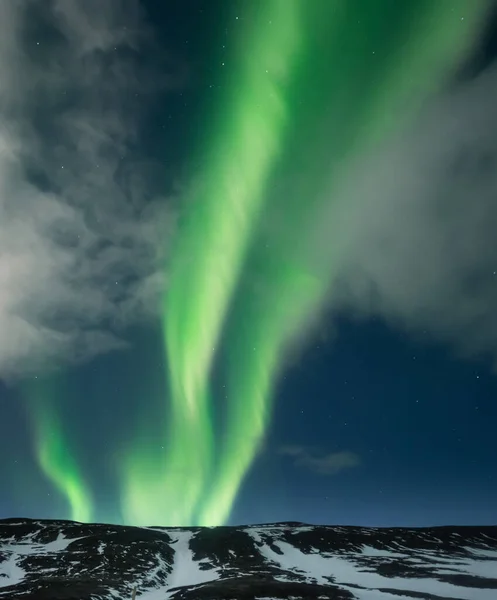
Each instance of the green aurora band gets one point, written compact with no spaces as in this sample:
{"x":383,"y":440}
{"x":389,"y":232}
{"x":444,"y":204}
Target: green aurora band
{"x":382,"y":59}
{"x":54,"y":453}
{"x":313,"y":85}
{"x":207,"y":260}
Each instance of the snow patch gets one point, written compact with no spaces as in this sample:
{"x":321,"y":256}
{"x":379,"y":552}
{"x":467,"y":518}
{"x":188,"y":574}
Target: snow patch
{"x":186,"y":570}
{"x":10,"y":571}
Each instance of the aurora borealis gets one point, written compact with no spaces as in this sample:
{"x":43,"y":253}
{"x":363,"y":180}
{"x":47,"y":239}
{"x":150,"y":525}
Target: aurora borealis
{"x":53,"y":450}
{"x":212,"y":243}
{"x":293,"y":284}
{"x":300,"y":92}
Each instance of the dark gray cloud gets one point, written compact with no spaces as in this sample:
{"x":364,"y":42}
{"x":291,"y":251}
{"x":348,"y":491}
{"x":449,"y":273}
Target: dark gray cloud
{"x":83,"y":231}
{"x":321,"y":463}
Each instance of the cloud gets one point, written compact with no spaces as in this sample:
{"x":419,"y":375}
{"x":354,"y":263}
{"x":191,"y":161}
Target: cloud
{"x":322,"y":464}
{"x":83,"y":228}
{"x":410,"y":233}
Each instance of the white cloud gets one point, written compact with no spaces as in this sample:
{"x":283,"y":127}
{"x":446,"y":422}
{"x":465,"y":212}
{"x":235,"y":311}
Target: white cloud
{"x":82,"y":232}
{"x":411,"y":234}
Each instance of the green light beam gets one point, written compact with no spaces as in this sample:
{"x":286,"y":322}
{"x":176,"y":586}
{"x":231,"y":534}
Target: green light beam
{"x":54,"y":454}
{"x":388,"y":57}
{"x":206,"y":262}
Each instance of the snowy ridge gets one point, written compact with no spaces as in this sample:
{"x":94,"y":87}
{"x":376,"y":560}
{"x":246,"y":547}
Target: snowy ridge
{"x":44,"y":560}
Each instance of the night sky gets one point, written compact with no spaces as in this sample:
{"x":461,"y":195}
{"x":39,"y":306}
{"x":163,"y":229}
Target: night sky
{"x":248,"y":262}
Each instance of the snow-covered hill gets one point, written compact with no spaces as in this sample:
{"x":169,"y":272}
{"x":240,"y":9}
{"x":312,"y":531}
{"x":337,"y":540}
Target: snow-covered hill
{"x":62,"y":560}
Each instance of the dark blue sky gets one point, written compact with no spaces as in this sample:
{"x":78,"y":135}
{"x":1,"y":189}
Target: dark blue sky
{"x":419,"y":421}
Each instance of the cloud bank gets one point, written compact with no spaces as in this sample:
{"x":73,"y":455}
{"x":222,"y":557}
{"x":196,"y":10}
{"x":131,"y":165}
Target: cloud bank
{"x":83,"y":232}
{"x":411,"y":236}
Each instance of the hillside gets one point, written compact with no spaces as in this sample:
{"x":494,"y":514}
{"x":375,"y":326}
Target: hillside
{"x":63,"y":560}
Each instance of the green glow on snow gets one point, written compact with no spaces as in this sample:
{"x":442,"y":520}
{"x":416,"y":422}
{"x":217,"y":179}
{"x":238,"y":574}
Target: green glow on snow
{"x":376,"y":79}
{"x":207,"y":259}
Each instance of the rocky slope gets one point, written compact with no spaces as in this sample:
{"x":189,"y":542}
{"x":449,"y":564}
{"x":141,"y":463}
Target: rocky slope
{"x":62,"y":560}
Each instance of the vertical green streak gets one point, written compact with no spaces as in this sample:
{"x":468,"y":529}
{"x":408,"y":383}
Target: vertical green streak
{"x":54,"y":453}
{"x":211,"y":245}
{"x":387,"y":57}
